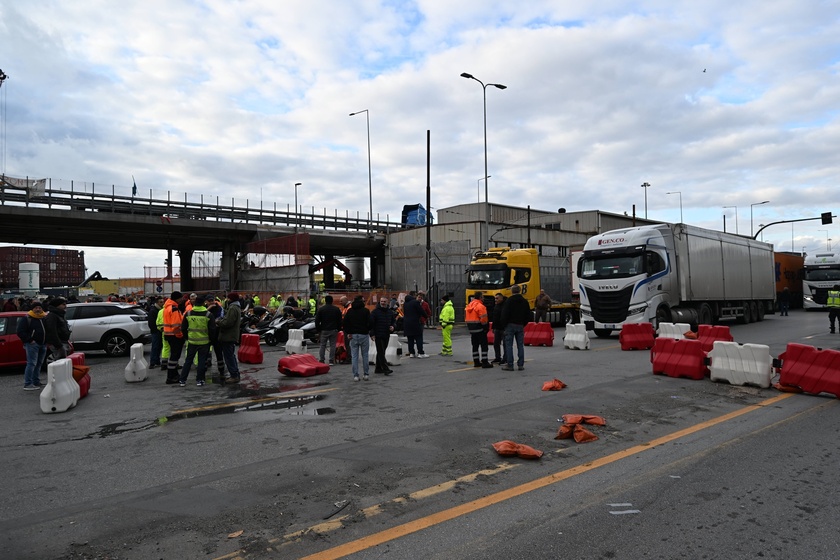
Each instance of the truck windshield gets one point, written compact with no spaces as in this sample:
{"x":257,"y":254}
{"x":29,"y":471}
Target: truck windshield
{"x":822,"y":274}
{"x":596,"y":267}
{"x":495,"y":277}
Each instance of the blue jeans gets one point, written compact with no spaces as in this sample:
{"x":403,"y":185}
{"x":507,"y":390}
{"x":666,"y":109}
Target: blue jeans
{"x":515,"y":332}
{"x":35,"y":354}
{"x":359,"y":352}
{"x":229,"y":354}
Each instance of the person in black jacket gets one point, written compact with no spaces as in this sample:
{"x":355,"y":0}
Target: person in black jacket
{"x":413,"y":316}
{"x":498,"y":329}
{"x":155,"y":304}
{"x":516,"y":313}
{"x":382,"y":325}
{"x":328,"y":323}
{"x":58,"y":331}
{"x":33,"y":333}
{"x":357,"y":327}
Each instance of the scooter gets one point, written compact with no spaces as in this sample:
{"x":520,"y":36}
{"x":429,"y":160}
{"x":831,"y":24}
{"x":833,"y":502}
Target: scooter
{"x":278,"y":330}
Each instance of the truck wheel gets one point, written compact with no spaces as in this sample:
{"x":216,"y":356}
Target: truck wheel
{"x":704,"y":314}
{"x":760,"y":308}
{"x":663,"y":315}
{"x":747,"y":316}
{"x":753,"y":312}
{"x":569,"y":317}
{"x":603,"y":333}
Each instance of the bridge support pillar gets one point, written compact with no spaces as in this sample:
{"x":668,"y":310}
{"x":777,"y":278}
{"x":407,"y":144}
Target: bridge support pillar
{"x":227,"y":274}
{"x":185,"y":258}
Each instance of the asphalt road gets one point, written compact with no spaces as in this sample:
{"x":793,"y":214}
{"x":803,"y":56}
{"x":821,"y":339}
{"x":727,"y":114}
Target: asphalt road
{"x":402,"y":466}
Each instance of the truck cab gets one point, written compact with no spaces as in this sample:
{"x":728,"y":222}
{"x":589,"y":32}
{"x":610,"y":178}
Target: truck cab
{"x":497,"y":269}
{"x":822,"y":272}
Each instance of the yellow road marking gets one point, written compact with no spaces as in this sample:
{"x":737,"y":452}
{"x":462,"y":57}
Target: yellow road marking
{"x":394,"y":533}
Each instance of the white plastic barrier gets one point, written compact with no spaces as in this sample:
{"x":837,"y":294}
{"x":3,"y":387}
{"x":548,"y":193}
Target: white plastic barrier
{"x":372,"y":352}
{"x":393,"y":351}
{"x":296,"y":344}
{"x":137,"y":368}
{"x":741,"y":364}
{"x":673,"y":330}
{"x":576,"y":337}
{"x":62,"y":392}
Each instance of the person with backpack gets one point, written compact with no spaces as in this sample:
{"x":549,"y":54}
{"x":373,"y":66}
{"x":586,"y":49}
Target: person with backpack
{"x":32,"y":331}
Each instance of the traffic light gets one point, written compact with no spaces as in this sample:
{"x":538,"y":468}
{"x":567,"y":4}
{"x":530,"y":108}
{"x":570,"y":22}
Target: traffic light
{"x":826,"y":218}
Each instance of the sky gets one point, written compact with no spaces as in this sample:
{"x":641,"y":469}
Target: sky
{"x":719,"y":103}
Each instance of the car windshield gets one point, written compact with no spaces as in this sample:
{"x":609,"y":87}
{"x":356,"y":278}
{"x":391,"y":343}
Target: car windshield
{"x":611,"y":266}
{"x":822,"y":274}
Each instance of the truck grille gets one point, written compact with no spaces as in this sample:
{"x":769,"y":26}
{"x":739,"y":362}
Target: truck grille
{"x":610,"y":307}
{"x":820,"y":295}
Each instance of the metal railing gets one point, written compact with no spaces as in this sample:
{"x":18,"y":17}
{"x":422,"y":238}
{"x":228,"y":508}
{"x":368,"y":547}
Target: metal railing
{"x":18,"y":192}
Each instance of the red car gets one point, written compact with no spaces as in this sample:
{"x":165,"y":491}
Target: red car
{"x":11,"y":348}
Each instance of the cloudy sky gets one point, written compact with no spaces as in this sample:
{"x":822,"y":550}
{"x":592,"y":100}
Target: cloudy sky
{"x":727,"y":103}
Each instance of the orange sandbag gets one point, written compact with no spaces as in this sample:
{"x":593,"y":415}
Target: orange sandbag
{"x":506,"y":448}
{"x":584,"y":419}
{"x":690,"y":335}
{"x":80,"y":371}
{"x":509,"y":448}
{"x":565,"y":431}
{"x":553,"y":385}
{"x":787,"y":388}
{"x":582,"y":435}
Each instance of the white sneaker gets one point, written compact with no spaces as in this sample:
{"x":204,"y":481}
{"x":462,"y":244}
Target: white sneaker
{"x":412,"y":355}
{"x":422,"y":356}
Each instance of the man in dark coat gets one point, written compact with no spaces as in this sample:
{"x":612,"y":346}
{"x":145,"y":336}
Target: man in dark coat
{"x":33,"y":333}
{"x":413,"y":315}
{"x":516,"y":313}
{"x":382,"y":325}
{"x":328,"y":323}
{"x":58,"y":332}
{"x":357,"y":336}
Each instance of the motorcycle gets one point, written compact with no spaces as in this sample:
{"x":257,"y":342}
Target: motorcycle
{"x":278,"y":330}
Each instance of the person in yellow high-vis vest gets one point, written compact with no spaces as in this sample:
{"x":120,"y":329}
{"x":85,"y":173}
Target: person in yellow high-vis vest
{"x":447,"y":321}
{"x":833,"y":305}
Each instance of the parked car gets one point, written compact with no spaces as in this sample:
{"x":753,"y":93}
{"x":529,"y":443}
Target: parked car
{"x":12,"y":353}
{"x":112,"y":327}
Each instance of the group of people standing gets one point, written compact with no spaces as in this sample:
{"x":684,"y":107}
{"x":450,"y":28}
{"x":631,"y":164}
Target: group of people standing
{"x":197,"y":323}
{"x":42,"y":331}
{"x":510,"y":315}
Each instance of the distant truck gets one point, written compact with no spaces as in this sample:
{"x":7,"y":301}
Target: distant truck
{"x":497,"y":269}
{"x":673,"y":273}
{"x":822,"y":272}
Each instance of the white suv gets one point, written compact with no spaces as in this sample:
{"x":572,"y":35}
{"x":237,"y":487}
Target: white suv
{"x":112,"y":327}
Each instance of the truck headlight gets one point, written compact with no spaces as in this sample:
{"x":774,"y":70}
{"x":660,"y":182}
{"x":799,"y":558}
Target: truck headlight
{"x":637,"y":310}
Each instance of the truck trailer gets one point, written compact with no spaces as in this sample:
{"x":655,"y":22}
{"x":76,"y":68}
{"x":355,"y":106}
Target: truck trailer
{"x":673,"y":273}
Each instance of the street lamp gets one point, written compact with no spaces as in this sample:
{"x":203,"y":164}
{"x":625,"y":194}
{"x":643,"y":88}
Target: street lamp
{"x":486,"y":176}
{"x":736,"y":218}
{"x":751,"y":214}
{"x":645,"y":186}
{"x":296,"y":228}
{"x":679,"y":193}
{"x":478,"y":187}
{"x":370,"y":178}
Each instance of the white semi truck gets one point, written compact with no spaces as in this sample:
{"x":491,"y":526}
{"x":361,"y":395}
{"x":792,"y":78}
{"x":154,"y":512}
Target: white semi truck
{"x":822,"y":272}
{"x":673,"y":273}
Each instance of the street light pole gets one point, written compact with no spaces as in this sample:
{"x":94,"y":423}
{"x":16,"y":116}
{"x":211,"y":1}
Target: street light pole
{"x":296,"y":229}
{"x":827,"y":240}
{"x":645,"y":186}
{"x":486,"y":176}
{"x":679,"y":193}
{"x":370,"y":177}
{"x":478,"y":188}
{"x":736,"y":217}
{"x":752,"y":233}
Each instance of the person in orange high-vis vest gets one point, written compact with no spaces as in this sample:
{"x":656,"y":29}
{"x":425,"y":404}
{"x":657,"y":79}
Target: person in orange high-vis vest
{"x":173,"y":315}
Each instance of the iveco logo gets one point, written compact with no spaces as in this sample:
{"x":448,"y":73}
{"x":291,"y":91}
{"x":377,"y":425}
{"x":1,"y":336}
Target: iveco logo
{"x":610,"y":241}
{"x":610,"y":287}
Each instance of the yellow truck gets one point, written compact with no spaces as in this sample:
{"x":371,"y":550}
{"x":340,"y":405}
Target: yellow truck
{"x":497,"y":269}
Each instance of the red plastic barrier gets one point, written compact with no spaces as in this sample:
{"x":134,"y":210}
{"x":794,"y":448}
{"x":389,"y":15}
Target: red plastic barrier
{"x":301,"y":365}
{"x":636,"y":336}
{"x":249,"y":349}
{"x":539,"y":334}
{"x":812,"y":370}
{"x":84,"y":385}
{"x":78,"y":358}
{"x":679,"y":358}
{"x":708,"y":334}
{"x":491,"y":336}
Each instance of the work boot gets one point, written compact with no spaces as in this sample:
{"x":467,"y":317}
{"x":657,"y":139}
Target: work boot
{"x":486,"y":365}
